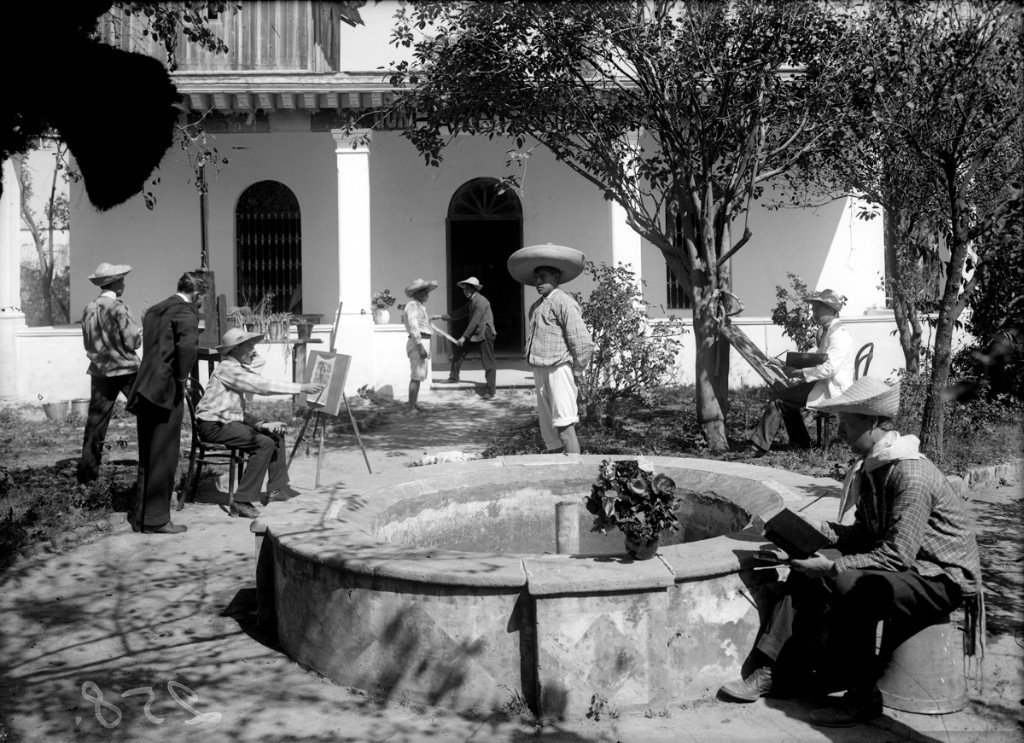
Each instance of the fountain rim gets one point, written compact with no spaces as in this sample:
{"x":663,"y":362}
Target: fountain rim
{"x":336,"y":536}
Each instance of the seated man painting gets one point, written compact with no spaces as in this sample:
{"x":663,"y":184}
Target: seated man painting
{"x":909,"y":559}
{"x":812,"y":385}
{"x":223,"y":419}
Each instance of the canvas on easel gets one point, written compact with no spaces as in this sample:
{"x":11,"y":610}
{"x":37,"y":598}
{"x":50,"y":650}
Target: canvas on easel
{"x":330,"y":370}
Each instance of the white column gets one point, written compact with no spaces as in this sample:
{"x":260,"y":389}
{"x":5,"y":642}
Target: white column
{"x":353,"y":158}
{"x":11,"y":316}
{"x":625,"y":240}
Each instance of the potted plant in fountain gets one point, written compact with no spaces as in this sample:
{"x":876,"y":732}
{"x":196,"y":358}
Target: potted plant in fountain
{"x":637,"y":501}
{"x":380,"y":302}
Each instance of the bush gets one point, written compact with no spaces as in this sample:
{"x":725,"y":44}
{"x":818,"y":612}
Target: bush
{"x":632,"y":355}
{"x":793,"y":314}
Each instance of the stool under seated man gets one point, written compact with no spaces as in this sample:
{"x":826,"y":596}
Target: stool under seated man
{"x":909,"y":559}
{"x":223,"y":419}
{"x":817,"y":383}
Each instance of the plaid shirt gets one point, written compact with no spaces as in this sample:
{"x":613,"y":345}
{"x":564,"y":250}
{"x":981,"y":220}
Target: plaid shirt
{"x":110,"y":335}
{"x":557,"y":333}
{"x":909,"y":518}
{"x":231,"y":386}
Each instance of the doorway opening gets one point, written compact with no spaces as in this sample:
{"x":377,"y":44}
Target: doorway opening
{"x":485,"y":226}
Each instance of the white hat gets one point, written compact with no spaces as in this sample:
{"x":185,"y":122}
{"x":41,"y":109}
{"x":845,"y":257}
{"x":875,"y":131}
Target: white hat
{"x":471,"y":281}
{"x":569,"y":261}
{"x":236,"y":337}
{"x":420,"y":284}
{"x":866,"y":396}
{"x":108,"y":273}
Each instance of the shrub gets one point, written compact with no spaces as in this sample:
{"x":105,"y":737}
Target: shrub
{"x":632,"y":354}
{"x":793,"y":314}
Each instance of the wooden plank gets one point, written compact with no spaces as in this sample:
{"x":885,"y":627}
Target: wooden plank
{"x":756,"y":358}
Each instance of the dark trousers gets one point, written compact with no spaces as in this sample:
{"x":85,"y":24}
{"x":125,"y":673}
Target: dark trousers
{"x":101,"y":408}
{"x":266,"y":454}
{"x":830,"y":625}
{"x":490,"y":363}
{"x":159,"y":446}
{"x":785,"y":408}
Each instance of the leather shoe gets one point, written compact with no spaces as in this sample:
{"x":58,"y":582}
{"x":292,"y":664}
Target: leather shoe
{"x":167,"y":528}
{"x":276,"y":496}
{"x":243,"y":509}
{"x":853,"y":709}
{"x":753,"y":687}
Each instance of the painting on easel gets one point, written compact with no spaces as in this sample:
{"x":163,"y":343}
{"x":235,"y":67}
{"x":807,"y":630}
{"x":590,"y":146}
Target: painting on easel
{"x":330,"y":370}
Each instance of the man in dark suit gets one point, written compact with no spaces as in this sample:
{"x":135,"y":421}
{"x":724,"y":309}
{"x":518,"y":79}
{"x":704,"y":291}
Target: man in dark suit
{"x":170,"y":345}
{"x":479,"y":333}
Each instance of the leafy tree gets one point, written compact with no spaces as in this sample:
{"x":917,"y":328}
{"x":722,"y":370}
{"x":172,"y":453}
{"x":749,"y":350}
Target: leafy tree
{"x":944,"y":80}
{"x":53,"y":303}
{"x":682,"y":112}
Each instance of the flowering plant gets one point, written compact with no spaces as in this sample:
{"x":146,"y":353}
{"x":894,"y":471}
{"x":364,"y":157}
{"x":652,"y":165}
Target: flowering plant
{"x":638,"y":502}
{"x":382,"y":299}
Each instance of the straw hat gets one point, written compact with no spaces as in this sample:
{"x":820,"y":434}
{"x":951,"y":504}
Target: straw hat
{"x":523,"y":262}
{"x":236,"y":337}
{"x":108,"y":273}
{"x":471,"y":281}
{"x":866,"y":396}
{"x":826,"y":297}
{"x":420,"y":284}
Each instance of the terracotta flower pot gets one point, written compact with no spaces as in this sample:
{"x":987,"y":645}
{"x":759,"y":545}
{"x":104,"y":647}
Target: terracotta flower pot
{"x":642,"y":549}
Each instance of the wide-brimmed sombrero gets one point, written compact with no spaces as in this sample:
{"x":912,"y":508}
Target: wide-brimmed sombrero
{"x":108,"y":273}
{"x":523,"y":262}
{"x":420,"y":284}
{"x":826,"y":297}
{"x":236,"y":337}
{"x":472,"y":281}
{"x":866,"y":396}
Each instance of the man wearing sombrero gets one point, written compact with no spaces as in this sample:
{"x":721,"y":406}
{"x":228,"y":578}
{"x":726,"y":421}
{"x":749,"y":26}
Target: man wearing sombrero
{"x":417,"y":348}
{"x":223,"y":419}
{"x":814,"y":384}
{"x":111,"y":335}
{"x":909,"y":559}
{"x":479,"y":333}
{"x":559,"y":345}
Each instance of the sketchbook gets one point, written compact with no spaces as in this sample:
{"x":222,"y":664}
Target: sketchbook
{"x":794,"y":535}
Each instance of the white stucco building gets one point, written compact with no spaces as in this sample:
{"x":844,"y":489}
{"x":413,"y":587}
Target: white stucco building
{"x":302,"y":210}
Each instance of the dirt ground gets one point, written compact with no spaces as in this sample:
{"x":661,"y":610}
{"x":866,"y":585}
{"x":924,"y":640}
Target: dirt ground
{"x":137,"y":638}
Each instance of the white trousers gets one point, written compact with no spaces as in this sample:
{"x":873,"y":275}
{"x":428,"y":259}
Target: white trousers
{"x":556,"y":401}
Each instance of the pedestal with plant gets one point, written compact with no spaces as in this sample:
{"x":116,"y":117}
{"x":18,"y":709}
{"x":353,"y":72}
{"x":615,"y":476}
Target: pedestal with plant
{"x":640,"y":503}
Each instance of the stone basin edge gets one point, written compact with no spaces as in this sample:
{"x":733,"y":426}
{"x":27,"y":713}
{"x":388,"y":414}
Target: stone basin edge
{"x":307,"y":529}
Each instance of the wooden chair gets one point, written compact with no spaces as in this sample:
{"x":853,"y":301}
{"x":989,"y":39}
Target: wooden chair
{"x":204,"y":452}
{"x":862,"y":359}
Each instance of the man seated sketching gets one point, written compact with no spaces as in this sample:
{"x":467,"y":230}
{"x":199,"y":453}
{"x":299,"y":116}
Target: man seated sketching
{"x":223,"y":419}
{"x":819,"y":383}
{"x":909,"y":558}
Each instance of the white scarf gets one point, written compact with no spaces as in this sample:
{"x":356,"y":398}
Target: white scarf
{"x":890,"y":448}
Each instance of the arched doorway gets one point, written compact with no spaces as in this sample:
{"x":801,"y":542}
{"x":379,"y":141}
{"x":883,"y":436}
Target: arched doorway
{"x":485,"y":226}
{"x":268,"y":247}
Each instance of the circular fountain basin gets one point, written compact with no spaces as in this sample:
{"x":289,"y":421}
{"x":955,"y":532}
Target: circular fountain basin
{"x":442,"y":585}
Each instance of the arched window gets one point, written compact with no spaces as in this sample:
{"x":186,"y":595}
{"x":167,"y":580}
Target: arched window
{"x":482,"y":198}
{"x":268,"y":247}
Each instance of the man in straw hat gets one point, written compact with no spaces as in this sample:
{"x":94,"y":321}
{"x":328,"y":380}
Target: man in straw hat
{"x":417,"y":348}
{"x":223,"y":419}
{"x":170,"y":346}
{"x":111,"y":335}
{"x":479,"y":333}
{"x":909,"y":558}
{"x":559,"y":345}
{"x":816,"y":383}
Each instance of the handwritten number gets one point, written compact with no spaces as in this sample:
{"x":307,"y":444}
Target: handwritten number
{"x":90,"y":688}
{"x":149,"y":702}
{"x":192,"y":699}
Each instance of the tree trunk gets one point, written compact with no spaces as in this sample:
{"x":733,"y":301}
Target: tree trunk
{"x":46,"y":288}
{"x":904,"y":312}
{"x":712,"y":371}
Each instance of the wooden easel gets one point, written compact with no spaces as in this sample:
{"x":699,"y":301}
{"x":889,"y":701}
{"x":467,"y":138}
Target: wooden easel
{"x":319,"y":425}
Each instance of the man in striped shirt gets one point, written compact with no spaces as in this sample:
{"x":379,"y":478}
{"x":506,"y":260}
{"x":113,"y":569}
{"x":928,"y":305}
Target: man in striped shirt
{"x":111,"y":335}
{"x":909,"y":558}
{"x":559,"y":345}
{"x":223,"y":419}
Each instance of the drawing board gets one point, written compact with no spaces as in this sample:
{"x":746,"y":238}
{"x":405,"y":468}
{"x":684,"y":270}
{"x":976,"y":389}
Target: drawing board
{"x":755,"y":357}
{"x":331,"y":370}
